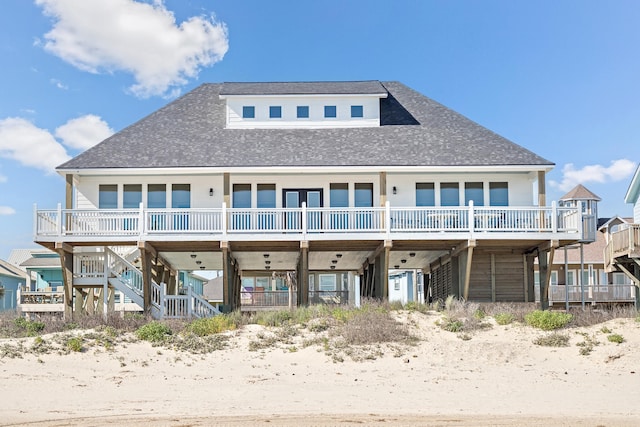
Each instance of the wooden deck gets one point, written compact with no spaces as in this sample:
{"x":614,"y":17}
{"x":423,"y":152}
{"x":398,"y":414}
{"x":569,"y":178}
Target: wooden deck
{"x":624,"y":243}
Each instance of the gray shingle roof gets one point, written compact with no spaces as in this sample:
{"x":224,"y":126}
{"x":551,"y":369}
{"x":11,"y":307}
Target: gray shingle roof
{"x":371,"y":87}
{"x":414,"y":131}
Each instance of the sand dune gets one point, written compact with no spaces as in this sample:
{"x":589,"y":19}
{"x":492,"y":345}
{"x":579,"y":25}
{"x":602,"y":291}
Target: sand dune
{"x":498,"y":377}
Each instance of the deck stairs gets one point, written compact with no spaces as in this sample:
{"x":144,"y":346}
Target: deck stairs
{"x":117,"y":266}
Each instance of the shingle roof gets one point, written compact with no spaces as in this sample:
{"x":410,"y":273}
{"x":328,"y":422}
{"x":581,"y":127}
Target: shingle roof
{"x":7,"y":269}
{"x":580,"y":192}
{"x":372,"y":87}
{"x":47,"y":262}
{"x":414,"y":131}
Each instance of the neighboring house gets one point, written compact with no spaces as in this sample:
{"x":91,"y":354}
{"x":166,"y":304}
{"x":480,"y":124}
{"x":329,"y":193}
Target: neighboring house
{"x":11,"y":280}
{"x":43,"y":271}
{"x":623,"y":247}
{"x":633,"y":195}
{"x":406,"y":286}
{"x":212,"y":291}
{"x":330,"y":182}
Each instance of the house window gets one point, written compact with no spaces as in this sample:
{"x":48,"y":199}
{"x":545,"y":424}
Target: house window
{"x":498,"y":194}
{"x":330,"y":111}
{"x":132,"y":196}
{"x":266,"y":195}
{"x":357,"y":111}
{"x":425,"y":194}
{"x":396,"y":284}
{"x":327,"y":282}
{"x":554,"y":278}
{"x":248,"y":112}
{"x":339,"y":195}
{"x":571,"y":278}
{"x":241,"y":196}
{"x":275,"y":112}
{"x":449,"y":194}
{"x":108,"y":196}
{"x":181,"y":196}
{"x":157,"y":196}
{"x":474,"y":191}
{"x":364,"y":195}
{"x":303,"y":111}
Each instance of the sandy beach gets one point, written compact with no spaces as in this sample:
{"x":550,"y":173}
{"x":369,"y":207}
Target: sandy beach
{"x":494,"y":376}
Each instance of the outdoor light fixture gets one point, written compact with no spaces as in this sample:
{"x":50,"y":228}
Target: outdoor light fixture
{"x":395,"y":190}
{"x":193,"y":255}
{"x":338,"y":255}
{"x":267,"y":262}
{"x":333,"y":267}
{"x":266,"y":255}
{"x":412,"y":254}
{"x":211,"y":191}
{"x":396,"y":267}
{"x":202,"y":267}
{"x":334,"y":261}
{"x":266,"y":267}
{"x":198,"y":262}
{"x":404,"y":261}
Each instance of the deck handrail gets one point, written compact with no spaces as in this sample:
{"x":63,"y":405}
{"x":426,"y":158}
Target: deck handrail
{"x":131,"y":223}
{"x":599,"y":293}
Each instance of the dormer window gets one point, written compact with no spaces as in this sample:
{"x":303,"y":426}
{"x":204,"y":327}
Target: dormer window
{"x":357,"y":111}
{"x":248,"y":112}
{"x":275,"y":112}
{"x":330,"y":111}
{"x":303,"y":111}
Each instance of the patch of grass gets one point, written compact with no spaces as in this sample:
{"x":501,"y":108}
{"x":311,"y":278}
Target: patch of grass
{"x":588,"y":344}
{"x":605,"y":330}
{"x":452,"y":325}
{"x":554,"y":339}
{"x":547,"y":320}
{"x":617,"y":338}
{"x":417,"y":306}
{"x":274,"y":318}
{"x":210,"y":325}
{"x":479,"y":314}
{"x":75,"y":344}
{"x":31,"y":328}
{"x":154,"y":332}
{"x":504,"y":318}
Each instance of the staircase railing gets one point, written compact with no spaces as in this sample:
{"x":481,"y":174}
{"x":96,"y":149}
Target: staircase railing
{"x":201,"y":307}
{"x":126,"y":272}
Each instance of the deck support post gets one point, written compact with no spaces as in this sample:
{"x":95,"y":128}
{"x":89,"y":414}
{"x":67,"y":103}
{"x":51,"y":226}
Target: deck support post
{"x":303,"y":278}
{"x":467,"y":273}
{"x":529,"y":278}
{"x":145,"y":259}
{"x":237,"y":284}
{"x":227,"y":285}
{"x":66,"y":261}
{"x":545,"y":260}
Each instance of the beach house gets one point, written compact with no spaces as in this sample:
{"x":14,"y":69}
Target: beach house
{"x":328,"y":184}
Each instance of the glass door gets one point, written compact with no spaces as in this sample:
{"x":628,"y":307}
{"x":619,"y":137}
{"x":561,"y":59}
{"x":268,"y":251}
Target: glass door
{"x":293,"y":198}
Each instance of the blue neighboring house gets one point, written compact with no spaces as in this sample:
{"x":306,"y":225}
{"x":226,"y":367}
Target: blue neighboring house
{"x":11,"y":278}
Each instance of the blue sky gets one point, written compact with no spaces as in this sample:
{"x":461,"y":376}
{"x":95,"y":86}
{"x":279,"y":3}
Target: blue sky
{"x":561,"y":78}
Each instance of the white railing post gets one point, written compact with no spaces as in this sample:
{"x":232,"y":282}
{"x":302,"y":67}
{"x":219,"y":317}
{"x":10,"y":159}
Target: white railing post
{"x":554,"y":217}
{"x":189,"y":302}
{"x":304,"y":220}
{"x":59,"y":219}
{"x":141,"y":221}
{"x":163,"y":297}
{"x":224,"y":218}
{"x":471,"y":219}
{"x":387,"y":218}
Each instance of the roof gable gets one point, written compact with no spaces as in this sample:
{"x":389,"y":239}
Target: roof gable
{"x":414,"y":131}
{"x":634,"y":188}
{"x":580,"y":192}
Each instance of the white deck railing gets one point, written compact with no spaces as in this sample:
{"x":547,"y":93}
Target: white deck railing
{"x":592,"y":293}
{"x":302,"y":221}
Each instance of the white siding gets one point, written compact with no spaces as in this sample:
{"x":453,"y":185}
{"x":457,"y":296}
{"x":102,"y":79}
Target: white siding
{"x":87,"y":188}
{"x":520,"y":188}
{"x":636,"y":212}
{"x":371,"y":110}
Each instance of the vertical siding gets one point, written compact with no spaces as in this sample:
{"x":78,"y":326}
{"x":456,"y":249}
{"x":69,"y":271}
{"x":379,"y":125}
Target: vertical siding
{"x":480,"y":281}
{"x":441,"y":281}
{"x":510,"y":277}
{"x":636,"y":212}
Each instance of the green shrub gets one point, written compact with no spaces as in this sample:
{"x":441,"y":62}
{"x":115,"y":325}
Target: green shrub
{"x":552,"y":340}
{"x":547,"y":320}
{"x":504,"y":318}
{"x":617,"y":338}
{"x":479,"y":314}
{"x":32,"y":328}
{"x":153,"y":332}
{"x":417,"y":306}
{"x":210,"y":325}
{"x":274,"y":318}
{"x":75,"y":344}
{"x":452,"y":325}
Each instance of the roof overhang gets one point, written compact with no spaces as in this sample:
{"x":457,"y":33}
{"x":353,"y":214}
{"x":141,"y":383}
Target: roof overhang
{"x":634,"y":188}
{"x":253,"y":170}
{"x":313,"y":95}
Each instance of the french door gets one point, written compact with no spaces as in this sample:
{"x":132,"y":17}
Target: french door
{"x":293,"y":198}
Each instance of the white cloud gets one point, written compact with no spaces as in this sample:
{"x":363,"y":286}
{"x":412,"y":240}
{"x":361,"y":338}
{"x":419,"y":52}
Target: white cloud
{"x":3,"y":179}
{"x":26,"y":143}
{"x":83,"y":132}
{"x":59,"y":84}
{"x":6,"y":210}
{"x":139,"y":38}
{"x":618,"y":170}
